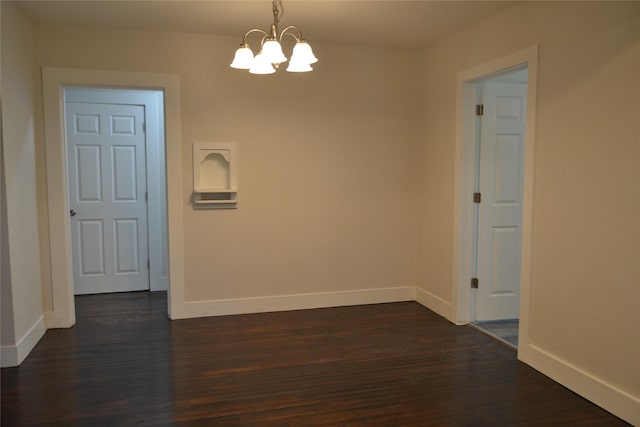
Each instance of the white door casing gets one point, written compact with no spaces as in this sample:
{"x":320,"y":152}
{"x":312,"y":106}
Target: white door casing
{"x":55,"y":84}
{"x":466,"y":183}
{"x":502,"y":150}
{"x":107,"y":197}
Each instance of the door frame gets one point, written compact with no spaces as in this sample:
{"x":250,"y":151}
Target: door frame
{"x":465,"y":175}
{"x":61,"y":313}
{"x":153,"y":103}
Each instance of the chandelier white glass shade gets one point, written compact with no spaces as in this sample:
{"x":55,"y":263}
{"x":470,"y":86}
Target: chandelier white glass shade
{"x":270,"y":55}
{"x":261,"y":65}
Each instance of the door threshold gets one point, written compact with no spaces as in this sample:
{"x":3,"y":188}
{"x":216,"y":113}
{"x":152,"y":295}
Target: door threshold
{"x":503,"y":331}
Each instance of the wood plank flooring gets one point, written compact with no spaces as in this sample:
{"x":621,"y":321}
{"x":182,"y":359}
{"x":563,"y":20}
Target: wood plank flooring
{"x":126,"y":364}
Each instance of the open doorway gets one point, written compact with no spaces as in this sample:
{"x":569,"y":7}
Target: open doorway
{"x":494,"y":195}
{"x":60,"y":302}
{"x":115,"y":148}
{"x":498,"y":193}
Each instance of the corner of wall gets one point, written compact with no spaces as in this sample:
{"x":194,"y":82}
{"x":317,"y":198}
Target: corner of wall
{"x":21,"y":276}
{"x":14,"y":355}
{"x":7,"y":332}
{"x":435,"y":304}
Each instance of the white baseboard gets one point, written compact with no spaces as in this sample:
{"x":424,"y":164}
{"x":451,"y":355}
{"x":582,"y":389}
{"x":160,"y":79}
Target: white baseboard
{"x":434,"y":303}
{"x":598,"y":391}
{"x":13,"y":355}
{"x":296,"y":302}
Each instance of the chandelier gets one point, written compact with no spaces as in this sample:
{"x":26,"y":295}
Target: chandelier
{"x":270,"y":55}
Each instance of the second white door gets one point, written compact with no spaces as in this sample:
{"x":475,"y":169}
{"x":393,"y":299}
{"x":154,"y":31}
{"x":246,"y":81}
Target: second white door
{"x":107,"y":195}
{"x":500,"y":212}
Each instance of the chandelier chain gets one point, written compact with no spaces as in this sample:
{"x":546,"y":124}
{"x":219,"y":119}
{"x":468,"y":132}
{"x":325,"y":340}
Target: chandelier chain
{"x":278,"y":12}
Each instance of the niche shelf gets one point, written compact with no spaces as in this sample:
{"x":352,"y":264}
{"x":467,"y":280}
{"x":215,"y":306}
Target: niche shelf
{"x":214,"y":176}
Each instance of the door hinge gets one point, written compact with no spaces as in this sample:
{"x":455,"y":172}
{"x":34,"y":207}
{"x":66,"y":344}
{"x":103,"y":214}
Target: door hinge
{"x":148,"y":265}
{"x":474,"y":283}
{"x":479,"y":109}
{"x":477,"y":197}
{"x":144,"y":127}
{"x":146,"y":196}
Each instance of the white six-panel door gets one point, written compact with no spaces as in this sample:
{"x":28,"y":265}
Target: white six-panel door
{"x":107,"y":196}
{"x":500,"y":211}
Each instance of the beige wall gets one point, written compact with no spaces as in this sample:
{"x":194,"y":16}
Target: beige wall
{"x":586,"y":237}
{"x":24,"y":282}
{"x":7,"y":336}
{"x":327,"y":180}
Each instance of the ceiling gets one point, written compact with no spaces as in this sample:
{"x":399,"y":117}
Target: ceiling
{"x":387,"y":23}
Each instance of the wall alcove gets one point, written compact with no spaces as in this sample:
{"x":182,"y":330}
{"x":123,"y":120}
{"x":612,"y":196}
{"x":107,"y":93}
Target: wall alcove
{"x":214,"y":176}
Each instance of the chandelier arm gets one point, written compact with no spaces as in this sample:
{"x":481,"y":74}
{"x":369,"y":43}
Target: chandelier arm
{"x":291,"y":27}
{"x":254,"y":30}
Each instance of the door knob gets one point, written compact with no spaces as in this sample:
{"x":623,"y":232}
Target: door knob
{"x":72,"y":212}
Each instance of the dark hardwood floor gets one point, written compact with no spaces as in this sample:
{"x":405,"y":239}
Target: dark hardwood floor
{"x":126,"y":364}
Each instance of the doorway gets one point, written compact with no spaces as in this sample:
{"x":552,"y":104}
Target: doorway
{"x":492,"y":253}
{"x":498,"y":204}
{"x":500,"y":148}
{"x":60,"y":301}
{"x":117,"y":193}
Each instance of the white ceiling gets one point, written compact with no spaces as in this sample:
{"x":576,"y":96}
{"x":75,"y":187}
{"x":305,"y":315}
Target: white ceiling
{"x":376,"y":23}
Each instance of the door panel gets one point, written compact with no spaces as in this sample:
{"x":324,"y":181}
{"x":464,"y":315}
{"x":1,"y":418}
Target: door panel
{"x":504,"y":260}
{"x":88,"y":124}
{"x":88,"y":165}
{"x":500,"y":211}
{"x":107,"y":185}
{"x":127,"y":259}
{"x":507,"y":172}
{"x":91,"y":247}
{"x":124,"y":174}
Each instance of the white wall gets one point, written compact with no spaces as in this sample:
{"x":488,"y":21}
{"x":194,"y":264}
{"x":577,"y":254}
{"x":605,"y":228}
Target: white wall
{"x":18,"y":66}
{"x":585,"y":269}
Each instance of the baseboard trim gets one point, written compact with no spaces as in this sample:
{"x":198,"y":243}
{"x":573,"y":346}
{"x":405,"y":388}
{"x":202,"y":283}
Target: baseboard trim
{"x":434,"y":303}
{"x":592,"y":388}
{"x":13,"y":355}
{"x":296,"y":302}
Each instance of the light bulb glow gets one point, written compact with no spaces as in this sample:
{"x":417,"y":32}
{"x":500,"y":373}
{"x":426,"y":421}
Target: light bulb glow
{"x":298,"y":67}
